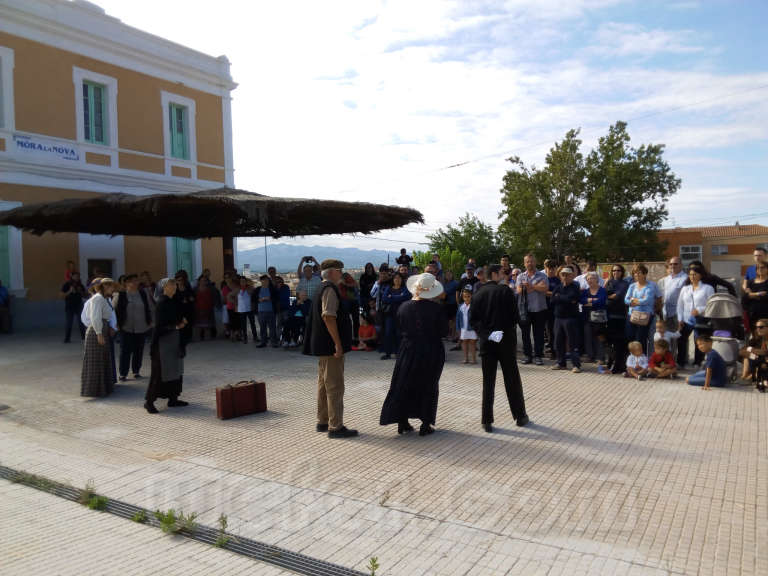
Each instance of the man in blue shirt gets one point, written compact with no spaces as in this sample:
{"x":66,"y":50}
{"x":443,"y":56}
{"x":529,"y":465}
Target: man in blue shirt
{"x":532,"y":286}
{"x":266,"y":312}
{"x":715,"y":372}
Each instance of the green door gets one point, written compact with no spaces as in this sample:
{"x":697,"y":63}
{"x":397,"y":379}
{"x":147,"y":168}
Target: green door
{"x":5,"y":257}
{"x":185,"y":256}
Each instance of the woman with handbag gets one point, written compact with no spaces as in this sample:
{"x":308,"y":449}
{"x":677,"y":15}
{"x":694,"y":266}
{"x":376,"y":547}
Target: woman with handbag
{"x":641,"y":297}
{"x":593,"y":306}
{"x":690,"y":304}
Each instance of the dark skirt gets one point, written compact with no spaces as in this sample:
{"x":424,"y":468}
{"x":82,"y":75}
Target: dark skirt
{"x":96,"y":379}
{"x":171,"y":386}
{"x":414,"y":389}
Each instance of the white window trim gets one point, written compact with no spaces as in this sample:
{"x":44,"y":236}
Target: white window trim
{"x":101,"y":247}
{"x":80,"y":75}
{"x":166,"y":99}
{"x":16,"y":254}
{"x":7,"y":114}
{"x":170,"y":260}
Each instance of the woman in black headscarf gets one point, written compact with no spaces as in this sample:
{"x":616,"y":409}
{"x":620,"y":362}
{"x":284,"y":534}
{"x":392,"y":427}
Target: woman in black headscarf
{"x":166,"y":378}
{"x":413,"y":390}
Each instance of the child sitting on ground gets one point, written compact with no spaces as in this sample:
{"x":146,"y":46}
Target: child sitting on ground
{"x":662,"y":363}
{"x":714,"y":373}
{"x":366,"y":335}
{"x":637,"y":362}
{"x":467,"y":336}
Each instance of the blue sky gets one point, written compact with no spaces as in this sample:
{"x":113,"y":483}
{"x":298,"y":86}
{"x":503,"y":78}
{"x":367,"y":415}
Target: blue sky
{"x":371,"y":101}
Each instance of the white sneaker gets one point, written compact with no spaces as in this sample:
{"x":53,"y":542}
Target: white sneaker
{"x":293,"y":343}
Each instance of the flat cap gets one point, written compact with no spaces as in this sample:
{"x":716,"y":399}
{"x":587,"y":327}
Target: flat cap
{"x":331,"y":263}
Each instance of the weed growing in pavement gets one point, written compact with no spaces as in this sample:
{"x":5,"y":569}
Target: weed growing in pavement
{"x":98,"y":502}
{"x":173,"y":523}
{"x":34,"y":481}
{"x":87,"y":493}
{"x":140,"y":517}
{"x":222,"y":539}
{"x":373,"y":565}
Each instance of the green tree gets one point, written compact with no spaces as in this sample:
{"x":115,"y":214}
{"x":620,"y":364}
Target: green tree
{"x":470,"y":237}
{"x":452,"y":260}
{"x":607,"y":207}
{"x":627,"y":190}
{"x":541,"y":208}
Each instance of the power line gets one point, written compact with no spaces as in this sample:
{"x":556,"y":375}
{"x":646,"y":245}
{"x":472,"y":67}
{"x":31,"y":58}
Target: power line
{"x":635,"y":119}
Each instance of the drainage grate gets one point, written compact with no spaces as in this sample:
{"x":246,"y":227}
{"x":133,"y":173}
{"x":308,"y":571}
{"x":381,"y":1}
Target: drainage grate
{"x":275,"y":555}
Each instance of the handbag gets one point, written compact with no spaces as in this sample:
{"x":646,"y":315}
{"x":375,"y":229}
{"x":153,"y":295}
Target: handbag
{"x":598,"y":316}
{"x":523,"y":316}
{"x":639,"y":318}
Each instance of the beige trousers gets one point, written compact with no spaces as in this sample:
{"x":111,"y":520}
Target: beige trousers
{"x":330,"y":391}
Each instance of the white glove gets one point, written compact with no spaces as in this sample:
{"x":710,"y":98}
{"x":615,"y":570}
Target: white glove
{"x":496,"y":336}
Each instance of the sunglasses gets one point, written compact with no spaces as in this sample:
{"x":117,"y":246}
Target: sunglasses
{"x":617,"y":270}
{"x":760,"y":326}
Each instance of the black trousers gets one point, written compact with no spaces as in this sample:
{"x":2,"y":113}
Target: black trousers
{"x":537,"y":322}
{"x":245,"y":318}
{"x":567,"y":330}
{"x":73,"y":316}
{"x":491,"y":355}
{"x":131,"y":352}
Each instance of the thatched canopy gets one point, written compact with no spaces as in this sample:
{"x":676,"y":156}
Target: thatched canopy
{"x":222,"y":212}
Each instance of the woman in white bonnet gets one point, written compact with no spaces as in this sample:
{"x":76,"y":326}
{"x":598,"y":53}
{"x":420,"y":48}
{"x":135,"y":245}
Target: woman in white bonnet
{"x":414,"y":388}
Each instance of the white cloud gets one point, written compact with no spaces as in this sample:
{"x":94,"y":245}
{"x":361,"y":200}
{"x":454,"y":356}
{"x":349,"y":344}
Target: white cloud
{"x":368,"y":100}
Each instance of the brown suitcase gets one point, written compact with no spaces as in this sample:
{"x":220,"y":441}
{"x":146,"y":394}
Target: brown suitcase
{"x":241,"y":399}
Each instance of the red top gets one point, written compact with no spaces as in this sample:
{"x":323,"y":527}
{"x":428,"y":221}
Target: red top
{"x":657,"y":359}
{"x":366,"y":332}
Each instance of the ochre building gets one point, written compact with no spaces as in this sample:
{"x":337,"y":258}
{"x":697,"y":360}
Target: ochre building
{"x":91,"y":106}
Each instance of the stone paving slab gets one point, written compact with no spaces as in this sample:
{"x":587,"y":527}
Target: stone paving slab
{"x":613,"y":476}
{"x":44,"y":534}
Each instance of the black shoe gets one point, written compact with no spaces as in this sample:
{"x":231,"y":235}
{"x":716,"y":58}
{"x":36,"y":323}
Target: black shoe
{"x":404,"y":427}
{"x":150,"y":407}
{"x":177,"y":403}
{"x":321,"y":427}
{"x":123,"y":378}
{"x":137,"y":376}
{"x":426,"y":429}
{"x":488,"y":428}
{"x":67,"y":341}
{"x":527,"y":360}
{"x":342,"y":432}
{"x":386,"y":357}
{"x":523,"y":420}
{"x":261,"y":346}
{"x":538,"y":361}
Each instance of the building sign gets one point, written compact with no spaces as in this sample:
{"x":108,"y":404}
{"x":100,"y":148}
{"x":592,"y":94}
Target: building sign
{"x":43,"y":148}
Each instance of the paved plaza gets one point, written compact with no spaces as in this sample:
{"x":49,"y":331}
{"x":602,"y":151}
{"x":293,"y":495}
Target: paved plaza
{"x":612,"y":476}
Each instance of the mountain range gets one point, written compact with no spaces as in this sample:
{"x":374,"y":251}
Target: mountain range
{"x":285,"y":257}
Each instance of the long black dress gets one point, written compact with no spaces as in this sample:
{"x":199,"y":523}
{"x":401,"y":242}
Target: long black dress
{"x":166,"y":378}
{"x":414,"y":388}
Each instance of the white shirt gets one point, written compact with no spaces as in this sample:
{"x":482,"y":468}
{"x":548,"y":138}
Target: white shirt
{"x":670,"y":287}
{"x":98,"y":311}
{"x":690,"y":299}
{"x":243,"y":301}
{"x":637,"y":362}
{"x":667,"y":335}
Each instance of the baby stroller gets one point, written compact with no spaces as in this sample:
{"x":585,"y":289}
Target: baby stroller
{"x":723,"y":320}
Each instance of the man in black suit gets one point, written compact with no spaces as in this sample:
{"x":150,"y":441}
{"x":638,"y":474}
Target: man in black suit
{"x":493,"y":315}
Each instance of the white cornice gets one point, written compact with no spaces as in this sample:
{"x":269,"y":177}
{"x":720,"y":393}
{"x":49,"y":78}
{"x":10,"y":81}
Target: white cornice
{"x":84,"y":29}
{"x":70,"y":178}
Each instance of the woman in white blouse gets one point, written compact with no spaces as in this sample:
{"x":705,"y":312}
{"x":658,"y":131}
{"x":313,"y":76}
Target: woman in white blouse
{"x":98,"y":375}
{"x":690,"y":304}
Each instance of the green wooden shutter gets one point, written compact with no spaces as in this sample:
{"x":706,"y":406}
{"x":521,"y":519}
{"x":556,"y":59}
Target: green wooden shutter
{"x":94,"y":113}
{"x":5,"y":257}
{"x":185,"y":256}
{"x":177,"y":116}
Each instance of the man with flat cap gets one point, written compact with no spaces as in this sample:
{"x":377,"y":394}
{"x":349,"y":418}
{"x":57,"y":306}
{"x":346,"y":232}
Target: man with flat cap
{"x":493,"y":315}
{"x":329,"y":337}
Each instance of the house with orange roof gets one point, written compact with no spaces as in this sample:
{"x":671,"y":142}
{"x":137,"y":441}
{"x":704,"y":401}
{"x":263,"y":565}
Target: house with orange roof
{"x":725,"y":250}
